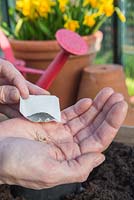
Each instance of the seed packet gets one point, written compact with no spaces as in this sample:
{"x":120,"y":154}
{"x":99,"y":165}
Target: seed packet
{"x":41,"y":108}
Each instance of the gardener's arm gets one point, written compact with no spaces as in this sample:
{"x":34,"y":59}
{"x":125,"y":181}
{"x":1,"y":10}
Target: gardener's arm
{"x":12,"y":86}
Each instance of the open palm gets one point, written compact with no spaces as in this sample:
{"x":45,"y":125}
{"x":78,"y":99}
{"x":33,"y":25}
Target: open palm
{"x":75,"y":145}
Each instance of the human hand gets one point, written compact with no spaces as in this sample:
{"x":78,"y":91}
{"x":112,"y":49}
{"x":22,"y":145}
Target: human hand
{"x":39,"y":165}
{"x":70,"y":148}
{"x":12,"y":86}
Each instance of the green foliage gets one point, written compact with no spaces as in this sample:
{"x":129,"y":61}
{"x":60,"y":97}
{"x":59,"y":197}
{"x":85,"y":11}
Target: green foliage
{"x":103,"y":58}
{"x":129,"y":7}
{"x":130,"y":86}
{"x":129,"y":65}
{"x":39,"y":20}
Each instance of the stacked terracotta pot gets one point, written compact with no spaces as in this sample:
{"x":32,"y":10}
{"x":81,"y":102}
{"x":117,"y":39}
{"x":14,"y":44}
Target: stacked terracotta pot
{"x":96,"y":77}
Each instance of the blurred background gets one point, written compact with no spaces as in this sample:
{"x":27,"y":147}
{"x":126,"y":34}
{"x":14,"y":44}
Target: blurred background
{"x":118,"y":42}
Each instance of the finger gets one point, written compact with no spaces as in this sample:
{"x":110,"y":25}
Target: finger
{"x":87,"y":117}
{"x":74,"y":111}
{"x":14,"y":76}
{"x":105,"y":133}
{"x":3,"y":81}
{"x":9,"y":94}
{"x":78,"y":170}
{"x":36,"y":90}
{"x":8,"y":111}
{"x":115,"y":98}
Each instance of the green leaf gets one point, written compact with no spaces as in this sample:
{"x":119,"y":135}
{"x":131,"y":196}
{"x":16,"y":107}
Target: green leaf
{"x":5,"y":31}
{"x":19,"y":26}
{"x":44,"y":28}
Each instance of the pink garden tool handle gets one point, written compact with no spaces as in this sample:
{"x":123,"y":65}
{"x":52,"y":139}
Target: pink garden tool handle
{"x":52,"y":71}
{"x":72,"y":44}
{"x":6,"y":48}
{"x":8,"y":55}
{"x":29,"y":70}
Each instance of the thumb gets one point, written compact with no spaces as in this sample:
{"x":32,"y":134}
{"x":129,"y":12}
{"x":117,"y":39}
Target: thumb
{"x":9,"y":94}
{"x":79,"y":169}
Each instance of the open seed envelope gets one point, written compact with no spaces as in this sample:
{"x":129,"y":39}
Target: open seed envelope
{"x":41,"y":108}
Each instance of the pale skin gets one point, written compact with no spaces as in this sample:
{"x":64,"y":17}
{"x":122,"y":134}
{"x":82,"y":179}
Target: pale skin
{"x":43,"y":155}
{"x":12,"y":86}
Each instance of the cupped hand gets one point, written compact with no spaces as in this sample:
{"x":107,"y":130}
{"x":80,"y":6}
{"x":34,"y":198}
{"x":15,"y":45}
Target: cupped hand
{"x":68,"y":151}
{"x":12,"y":86}
{"x":38,"y":165}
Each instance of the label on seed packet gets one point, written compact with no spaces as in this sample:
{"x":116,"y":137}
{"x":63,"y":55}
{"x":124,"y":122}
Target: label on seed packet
{"x":41,"y":108}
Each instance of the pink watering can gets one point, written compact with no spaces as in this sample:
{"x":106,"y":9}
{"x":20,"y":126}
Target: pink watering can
{"x":71,"y":44}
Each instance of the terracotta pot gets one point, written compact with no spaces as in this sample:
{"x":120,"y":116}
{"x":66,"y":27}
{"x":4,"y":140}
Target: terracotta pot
{"x":96,"y":77}
{"x":39,"y":54}
{"x":129,"y":121}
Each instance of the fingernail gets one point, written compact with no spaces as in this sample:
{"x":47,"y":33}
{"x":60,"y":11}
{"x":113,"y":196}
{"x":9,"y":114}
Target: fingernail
{"x":99,"y":160}
{"x":46,"y":92}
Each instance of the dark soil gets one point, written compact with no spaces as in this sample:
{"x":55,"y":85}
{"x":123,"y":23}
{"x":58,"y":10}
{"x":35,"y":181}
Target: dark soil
{"x":5,"y":193}
{"x":113,"y":180}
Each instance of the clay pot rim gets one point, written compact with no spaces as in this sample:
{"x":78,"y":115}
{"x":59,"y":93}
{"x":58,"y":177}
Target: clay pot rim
{"x":51,"y":44}
{"x":94,"y":35}
{"x":102,"y":68}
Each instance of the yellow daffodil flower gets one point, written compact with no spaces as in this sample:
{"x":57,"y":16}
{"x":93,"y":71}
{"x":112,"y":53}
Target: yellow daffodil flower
{"x":33,"y":8}
{"x":72,"y":25}
{"x":93,"y":3}
{"x":89,"y":20}
{"x":63,"y":5}
{"x":108,"y":9}
{"x":65,"y":17}
{"x":45,"y":7}
{"x":24,"y":6}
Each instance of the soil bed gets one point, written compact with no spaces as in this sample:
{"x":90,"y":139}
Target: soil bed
{"x":113,"y":180}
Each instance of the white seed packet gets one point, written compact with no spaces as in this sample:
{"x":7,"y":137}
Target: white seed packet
{"x":41,"y":108}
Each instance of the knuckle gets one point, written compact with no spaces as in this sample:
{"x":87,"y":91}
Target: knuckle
{"x":14,"y":94}
{"x":9,"y":65}
{"x":8,"y":94}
